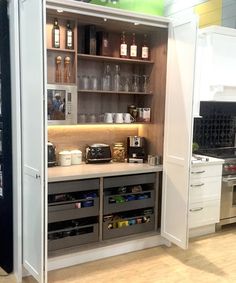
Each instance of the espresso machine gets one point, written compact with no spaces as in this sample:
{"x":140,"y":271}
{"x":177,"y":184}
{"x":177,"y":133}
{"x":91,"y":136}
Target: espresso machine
{"x":136,"y":152}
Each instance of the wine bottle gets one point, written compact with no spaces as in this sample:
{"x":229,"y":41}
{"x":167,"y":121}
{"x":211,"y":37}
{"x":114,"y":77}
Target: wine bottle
{"x":56,"y":34}
{"x":69,"y":36}
{"x":145,"y":49}
{"x":133,"y":48}
{"x":123,"y":46}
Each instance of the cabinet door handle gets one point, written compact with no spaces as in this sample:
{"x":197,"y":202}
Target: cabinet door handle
{"x":196,"y":209}
{"x":198,"y":185}
{"x":198,"y":172}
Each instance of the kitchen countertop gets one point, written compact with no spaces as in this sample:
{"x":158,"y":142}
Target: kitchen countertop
{"x":85,"y":171}
{"x":199,"y":160}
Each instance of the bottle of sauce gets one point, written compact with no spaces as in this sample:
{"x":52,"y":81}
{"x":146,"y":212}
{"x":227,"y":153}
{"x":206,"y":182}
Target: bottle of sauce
{"x":56,"y":34}
{"x":123,"y":46}
{"x":69,"y":36}
{"x":145,"y":49}
{"x":133,"y":48}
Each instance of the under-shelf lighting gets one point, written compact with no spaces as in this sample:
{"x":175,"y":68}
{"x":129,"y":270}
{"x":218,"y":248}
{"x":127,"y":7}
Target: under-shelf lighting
{"x":60,"y":10}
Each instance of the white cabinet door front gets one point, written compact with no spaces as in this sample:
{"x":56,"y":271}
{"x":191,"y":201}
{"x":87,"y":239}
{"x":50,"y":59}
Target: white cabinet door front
{"x":32,"y":80}
{"x":178,"y":132}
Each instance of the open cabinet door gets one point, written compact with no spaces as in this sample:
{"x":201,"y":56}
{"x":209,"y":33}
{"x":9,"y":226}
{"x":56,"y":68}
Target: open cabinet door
{"x":178,"y":132}
{"x":34,"y":189}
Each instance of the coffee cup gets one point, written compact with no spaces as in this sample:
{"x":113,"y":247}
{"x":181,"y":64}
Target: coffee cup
{"x":128,"y":118}
{"x":118,"y":118}
{"x":108,"y":117}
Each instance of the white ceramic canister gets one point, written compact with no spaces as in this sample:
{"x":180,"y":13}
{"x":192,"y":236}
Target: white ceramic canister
{"x":65,"y":158}
{"x":76,"y":157}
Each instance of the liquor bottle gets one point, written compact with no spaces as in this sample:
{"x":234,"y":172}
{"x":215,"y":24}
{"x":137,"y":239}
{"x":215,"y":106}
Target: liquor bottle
{"x":69,"y":36}
{"x":56,"y":34}
{"x":145,"y":49}
{"x":133,"y":48}
{"x":123,"y":46}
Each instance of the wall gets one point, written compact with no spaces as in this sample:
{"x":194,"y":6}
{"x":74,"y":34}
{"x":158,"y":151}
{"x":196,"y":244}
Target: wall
{"x":154,"y":7}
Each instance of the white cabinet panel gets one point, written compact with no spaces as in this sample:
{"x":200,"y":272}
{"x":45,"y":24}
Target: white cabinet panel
{"x":200,"y":172}
{"x":178,"y":133}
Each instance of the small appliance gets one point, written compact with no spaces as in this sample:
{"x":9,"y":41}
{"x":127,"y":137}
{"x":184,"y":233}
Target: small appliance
{"x":51,"y":154}
{"x":136,"y":152}
{"x":98,"y":153}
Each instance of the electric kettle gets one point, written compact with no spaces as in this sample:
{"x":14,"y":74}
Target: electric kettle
{"x":51,"y":154}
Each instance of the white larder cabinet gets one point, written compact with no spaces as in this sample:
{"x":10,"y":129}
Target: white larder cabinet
{"x":177,"y":126}
{"x":205,"y":193}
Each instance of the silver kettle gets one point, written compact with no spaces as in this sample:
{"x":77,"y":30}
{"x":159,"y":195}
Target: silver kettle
{"x":51,"y":154}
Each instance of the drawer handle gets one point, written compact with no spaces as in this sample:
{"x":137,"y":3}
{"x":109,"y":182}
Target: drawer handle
{"x":198,"y":172}
{"x":198,"y":185}
{"x":196,"y":209}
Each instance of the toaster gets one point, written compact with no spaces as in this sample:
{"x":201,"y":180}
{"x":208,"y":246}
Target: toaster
{"x":98,"y":153}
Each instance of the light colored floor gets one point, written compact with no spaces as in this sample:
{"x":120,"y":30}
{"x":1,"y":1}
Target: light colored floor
{"x":209,"y":259}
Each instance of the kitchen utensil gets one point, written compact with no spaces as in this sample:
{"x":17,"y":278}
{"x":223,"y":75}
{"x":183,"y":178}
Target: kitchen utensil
{"x":65,"y":158}
{"x":108,"y":117}
{"x":118,"y":118}
{"x":51,"y":154}
{"x":76,"y":157}
{"x":128,"y":118}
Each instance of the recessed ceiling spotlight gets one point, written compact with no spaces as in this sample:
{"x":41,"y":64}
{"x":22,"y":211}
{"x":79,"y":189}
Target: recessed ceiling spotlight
{"x":60,"y":11}
{"x":105,"y":20}
{"x":136,"y":24}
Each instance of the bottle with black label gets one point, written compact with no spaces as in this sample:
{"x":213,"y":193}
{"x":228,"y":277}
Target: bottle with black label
{"x":123,"y":46}
{"x":145,"y":49}
{"x":69,"y":36}
{"x":133,"y":48}
{"x":56,"y":34}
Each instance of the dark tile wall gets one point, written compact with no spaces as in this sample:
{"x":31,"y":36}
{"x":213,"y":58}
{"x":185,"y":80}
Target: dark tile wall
{"x":217,"y":126}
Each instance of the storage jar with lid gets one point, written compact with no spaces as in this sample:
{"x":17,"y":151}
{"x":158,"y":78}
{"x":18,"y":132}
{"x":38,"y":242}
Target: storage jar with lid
{"x":76,"y":157}
{"x":118,"y":152}
{"x":65,"y":158}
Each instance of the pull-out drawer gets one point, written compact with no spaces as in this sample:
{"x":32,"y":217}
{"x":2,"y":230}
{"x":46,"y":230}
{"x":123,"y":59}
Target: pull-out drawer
{"x":139,"y":200}
{"x":204,"y":213}
{"x":74,"y":210}
{"x":203,"y":189}
{"x":206,"y":171}
{"x":73,"y":186}
{"x":128,"y":180}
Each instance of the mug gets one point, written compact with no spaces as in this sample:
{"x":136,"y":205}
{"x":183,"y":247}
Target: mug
{"x":92,"y":118}
{"x":82,"y":118}
{"x":128,"y":118}
{"x":118,"y":118}
{"x":108,"y":118}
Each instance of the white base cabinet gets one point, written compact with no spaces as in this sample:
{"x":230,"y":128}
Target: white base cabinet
{"x":205,"y":192}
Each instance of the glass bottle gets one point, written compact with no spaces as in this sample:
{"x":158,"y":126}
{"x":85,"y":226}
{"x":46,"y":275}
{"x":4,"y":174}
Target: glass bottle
{"x":123,"y":46}
{"x":67,"y":70}
{"x":118,"y":152}
{"x":145,"y":49}
{"x":58,"y":75}
{"x":133,"y":48}
{"x":117,"y":78}
{"x":56,"y":34}
{"x":69,"y":36}
{"x":106,"y":80}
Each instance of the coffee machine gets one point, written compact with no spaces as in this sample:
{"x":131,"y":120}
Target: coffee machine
{"x":136,"y":152}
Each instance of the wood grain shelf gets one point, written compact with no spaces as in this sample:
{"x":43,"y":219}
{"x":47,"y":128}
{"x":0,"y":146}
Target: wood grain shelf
{"x":113,"y":59}
{"x":113,"y":124}
{"x":113,"y":92}
{"x":60,"y":50}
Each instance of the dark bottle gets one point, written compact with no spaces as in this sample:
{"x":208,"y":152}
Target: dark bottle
{"x":56,"y":34}
{"x":133,"y":48}
{"x":123,"y":46}
{"x":145,"y":49}
{"x":69,"y":36}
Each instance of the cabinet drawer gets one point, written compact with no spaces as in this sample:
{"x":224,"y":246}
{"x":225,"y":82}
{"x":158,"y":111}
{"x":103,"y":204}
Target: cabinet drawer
{"x":203,"y":189}
{"x":73,"y":186}
{"x":71,"y":211}
{"x":129,"y":205}
{"x":206,"y":171}
{"x":111,"y":182}
{"x":204,"y":213}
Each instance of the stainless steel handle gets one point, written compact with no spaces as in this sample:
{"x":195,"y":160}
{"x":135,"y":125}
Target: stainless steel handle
{"x":198,"y":172}
{"x":196,"y":209}
{"x":198,"y":185}
{"x":227,"y":179}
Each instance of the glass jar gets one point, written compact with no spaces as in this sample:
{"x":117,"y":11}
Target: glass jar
{"x":118,"y":152}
